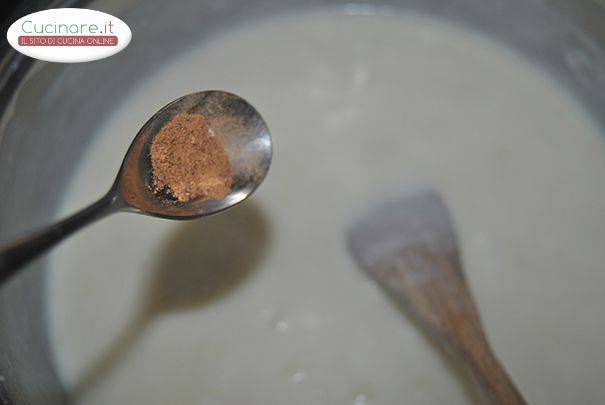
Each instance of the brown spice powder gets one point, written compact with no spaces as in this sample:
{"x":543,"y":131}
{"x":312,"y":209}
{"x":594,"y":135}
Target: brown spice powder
{"x":189,"y":161}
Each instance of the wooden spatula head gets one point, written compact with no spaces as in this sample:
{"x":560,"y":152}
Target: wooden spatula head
{"x":408,"y":245}
{"x":417,"y":217}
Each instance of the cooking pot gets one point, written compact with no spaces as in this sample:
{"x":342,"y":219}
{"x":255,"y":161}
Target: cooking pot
{"x":49,"y":111}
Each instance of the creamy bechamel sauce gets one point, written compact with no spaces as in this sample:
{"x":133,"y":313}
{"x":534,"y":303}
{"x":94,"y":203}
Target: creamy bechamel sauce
{"x":262,"y":305}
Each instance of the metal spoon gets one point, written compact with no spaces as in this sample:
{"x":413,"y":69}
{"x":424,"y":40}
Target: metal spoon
{"x":247,"y":142}
{"x":408,"y":245}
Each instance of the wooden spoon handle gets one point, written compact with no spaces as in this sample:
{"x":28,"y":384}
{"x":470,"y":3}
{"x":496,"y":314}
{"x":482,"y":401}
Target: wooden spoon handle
{"x":491,"y":376}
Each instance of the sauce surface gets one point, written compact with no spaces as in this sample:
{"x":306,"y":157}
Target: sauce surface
{"x":262,"y":304}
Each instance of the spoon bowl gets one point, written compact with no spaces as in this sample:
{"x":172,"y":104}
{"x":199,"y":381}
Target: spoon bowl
{"x":242,"y":132}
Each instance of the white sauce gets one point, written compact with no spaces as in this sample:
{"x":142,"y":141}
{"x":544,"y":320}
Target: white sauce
{"x":357,"y":105}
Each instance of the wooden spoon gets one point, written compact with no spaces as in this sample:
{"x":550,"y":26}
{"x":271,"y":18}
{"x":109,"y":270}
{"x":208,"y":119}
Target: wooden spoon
{"x":408,"y":245}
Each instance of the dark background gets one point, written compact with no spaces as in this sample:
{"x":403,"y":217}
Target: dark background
{"x":8,"y":12}
{"x":7,"y":7}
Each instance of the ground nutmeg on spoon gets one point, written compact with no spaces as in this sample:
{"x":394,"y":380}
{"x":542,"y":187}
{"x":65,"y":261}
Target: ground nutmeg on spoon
{"x":189,"y":161}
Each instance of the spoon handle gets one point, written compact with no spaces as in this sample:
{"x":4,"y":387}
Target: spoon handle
{"x":20,"y":252}
{"x":491,"y":376}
